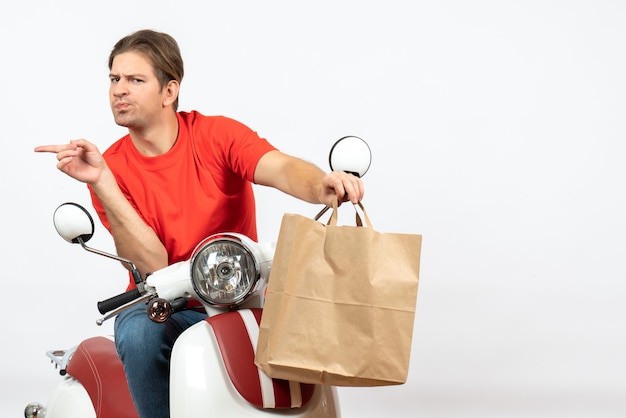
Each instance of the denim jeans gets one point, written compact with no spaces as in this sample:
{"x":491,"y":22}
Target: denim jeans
{"x":145,"y":348}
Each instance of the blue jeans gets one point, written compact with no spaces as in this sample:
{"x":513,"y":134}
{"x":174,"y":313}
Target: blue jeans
{"x":145,"y":348}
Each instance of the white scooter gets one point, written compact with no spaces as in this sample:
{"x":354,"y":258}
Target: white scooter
{"x":212,"y":370}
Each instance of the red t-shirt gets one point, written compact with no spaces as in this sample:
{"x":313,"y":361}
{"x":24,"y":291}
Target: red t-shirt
{"x":200,"y":187}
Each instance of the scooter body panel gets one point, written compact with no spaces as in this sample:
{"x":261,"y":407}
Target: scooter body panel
{"x":200,"y":385}
{"x":70,"y":400}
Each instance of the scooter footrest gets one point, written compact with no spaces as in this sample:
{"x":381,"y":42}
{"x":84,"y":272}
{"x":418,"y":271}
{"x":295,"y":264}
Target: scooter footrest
{"x":96,"y":365}
{"x":237,"y":335}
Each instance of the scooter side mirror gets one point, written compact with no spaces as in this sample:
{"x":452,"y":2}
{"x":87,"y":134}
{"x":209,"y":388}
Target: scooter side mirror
{"x":350,"y":154}
{"x":73,"y":223}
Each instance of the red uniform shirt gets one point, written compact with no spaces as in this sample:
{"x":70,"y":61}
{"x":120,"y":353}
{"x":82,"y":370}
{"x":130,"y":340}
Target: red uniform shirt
{"x":200,"y":187}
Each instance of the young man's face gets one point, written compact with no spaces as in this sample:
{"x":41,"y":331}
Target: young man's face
{"x":135,"y":95}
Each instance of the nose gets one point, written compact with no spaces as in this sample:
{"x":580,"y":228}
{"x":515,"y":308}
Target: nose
{"x":119,"y":88}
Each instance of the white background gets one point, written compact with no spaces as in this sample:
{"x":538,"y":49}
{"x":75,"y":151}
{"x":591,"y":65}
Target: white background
{"x":497,"y":130}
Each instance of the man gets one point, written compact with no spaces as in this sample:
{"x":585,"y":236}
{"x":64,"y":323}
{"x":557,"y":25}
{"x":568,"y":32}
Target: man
{"x":176,"y":178}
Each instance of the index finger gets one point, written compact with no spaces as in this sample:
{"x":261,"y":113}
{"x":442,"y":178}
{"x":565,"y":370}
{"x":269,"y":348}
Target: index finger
{"x":50,"y":148}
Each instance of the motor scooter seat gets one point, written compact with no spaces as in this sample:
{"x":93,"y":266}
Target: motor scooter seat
{"x":236,"y":333}
{"x":96,"y":365}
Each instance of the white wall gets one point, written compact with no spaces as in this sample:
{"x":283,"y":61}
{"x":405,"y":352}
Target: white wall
{"x":497,"y":130}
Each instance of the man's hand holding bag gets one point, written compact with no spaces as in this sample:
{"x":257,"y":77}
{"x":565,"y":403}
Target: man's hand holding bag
{"x":340,"y":303}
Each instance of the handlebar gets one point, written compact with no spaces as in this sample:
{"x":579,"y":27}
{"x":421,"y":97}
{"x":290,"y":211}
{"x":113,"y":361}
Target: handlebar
{"x":116,"y":301}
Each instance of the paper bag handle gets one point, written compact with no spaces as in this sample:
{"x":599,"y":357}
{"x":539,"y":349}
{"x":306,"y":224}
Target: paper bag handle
{"x":333,"y":217}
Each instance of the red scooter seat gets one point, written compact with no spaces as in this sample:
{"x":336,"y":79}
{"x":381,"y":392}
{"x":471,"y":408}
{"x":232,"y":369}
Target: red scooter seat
{"x":96,"y":365}
{"x":236,"y":336}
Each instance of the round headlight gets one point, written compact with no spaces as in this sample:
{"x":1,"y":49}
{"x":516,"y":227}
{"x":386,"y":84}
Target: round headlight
{"x":224,"y":270}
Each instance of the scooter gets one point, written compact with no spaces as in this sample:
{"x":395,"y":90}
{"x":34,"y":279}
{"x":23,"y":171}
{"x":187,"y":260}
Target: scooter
{"x":212,"y":370}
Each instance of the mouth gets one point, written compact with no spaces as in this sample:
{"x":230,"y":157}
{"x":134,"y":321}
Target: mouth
{"x":121,"y":106}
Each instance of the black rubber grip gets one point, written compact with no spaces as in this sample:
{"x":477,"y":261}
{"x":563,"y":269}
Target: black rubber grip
{"x":117,"y":301}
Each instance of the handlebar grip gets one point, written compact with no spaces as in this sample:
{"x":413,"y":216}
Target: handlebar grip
{"x":116,"y":301}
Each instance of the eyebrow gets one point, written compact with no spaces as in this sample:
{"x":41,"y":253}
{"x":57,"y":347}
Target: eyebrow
{"x":132,"y":75}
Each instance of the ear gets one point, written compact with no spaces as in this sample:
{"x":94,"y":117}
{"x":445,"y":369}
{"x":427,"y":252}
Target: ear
{"x":170,"y":92}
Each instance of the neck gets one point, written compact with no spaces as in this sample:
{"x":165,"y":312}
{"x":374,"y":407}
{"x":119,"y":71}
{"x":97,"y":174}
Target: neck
{"x":156,"y":139}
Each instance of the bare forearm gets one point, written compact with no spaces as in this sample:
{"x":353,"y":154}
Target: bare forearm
{"x":290,"y":175}
{"x":306,"y":181}
{"x":134,"y":239}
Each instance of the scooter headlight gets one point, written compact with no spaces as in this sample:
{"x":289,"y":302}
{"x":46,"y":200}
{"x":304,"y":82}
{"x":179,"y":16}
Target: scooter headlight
{"x":224,"y":269}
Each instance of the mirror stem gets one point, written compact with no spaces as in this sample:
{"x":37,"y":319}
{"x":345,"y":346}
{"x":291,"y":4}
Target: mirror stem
{"x":127,"y":263}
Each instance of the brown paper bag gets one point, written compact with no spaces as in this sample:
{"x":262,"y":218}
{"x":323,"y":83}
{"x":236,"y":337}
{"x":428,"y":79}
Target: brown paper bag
{"x":340,"y":304}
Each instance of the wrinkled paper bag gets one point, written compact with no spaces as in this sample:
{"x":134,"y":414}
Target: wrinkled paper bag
{"x":340,"y":303}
